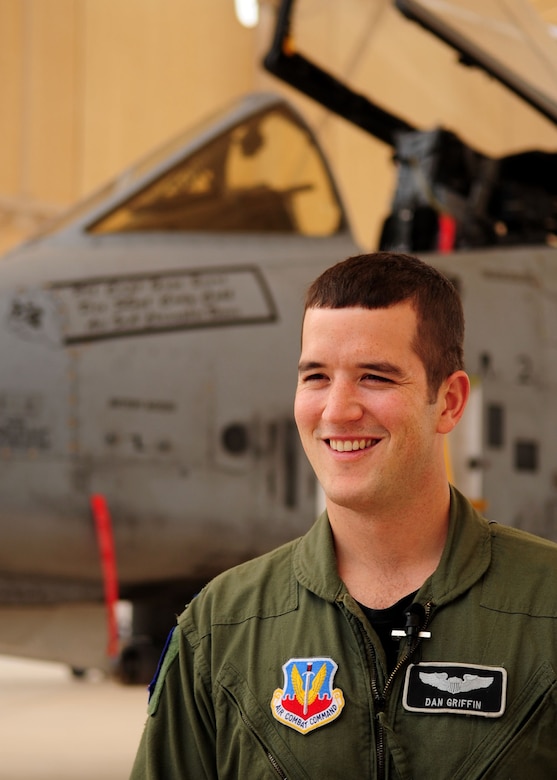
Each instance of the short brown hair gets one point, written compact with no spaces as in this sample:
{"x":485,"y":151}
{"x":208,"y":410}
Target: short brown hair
{"x":382,"y":279}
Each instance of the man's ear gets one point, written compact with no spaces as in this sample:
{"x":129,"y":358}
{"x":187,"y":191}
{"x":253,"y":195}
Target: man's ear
{"x":453,"y":396}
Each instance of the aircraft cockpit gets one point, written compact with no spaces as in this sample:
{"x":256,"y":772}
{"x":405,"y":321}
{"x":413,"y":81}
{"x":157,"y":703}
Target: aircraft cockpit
{"x":253,"y":169}
{"x":265,"y":175}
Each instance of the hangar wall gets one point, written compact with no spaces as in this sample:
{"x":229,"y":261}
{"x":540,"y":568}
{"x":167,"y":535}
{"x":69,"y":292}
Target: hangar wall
{"x":88,"y":86}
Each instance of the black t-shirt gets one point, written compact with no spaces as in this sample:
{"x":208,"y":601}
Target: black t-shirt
{"x":384,"y":621}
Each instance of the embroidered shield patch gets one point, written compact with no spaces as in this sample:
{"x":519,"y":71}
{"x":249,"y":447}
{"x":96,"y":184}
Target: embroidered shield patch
{"x":455,"y":688}
{"x":308,"y":699}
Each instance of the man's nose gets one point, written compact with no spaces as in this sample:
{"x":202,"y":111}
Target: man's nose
{"x":343,"y":403}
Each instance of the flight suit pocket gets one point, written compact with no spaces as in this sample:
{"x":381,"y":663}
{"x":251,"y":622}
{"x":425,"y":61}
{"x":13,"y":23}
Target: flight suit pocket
{"x":522,"y":743}
{"x":251,"y":743}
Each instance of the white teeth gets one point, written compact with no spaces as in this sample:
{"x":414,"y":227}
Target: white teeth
{"x":349,"y":446}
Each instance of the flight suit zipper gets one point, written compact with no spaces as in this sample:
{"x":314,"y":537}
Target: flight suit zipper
{"x":379,"y":696}
{"x":272,"y":760}
{"x":381,"y":700}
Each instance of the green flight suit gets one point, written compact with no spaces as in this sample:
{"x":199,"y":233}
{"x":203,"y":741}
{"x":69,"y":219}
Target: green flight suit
{"x":274,"y":671}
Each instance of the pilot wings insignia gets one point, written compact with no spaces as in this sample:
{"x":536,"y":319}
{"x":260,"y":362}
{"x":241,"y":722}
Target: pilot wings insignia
{"x":442,"y":681}
{"x":455,"y":689}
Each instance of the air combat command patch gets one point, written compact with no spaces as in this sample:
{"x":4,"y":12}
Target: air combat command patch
{"x":308,"y":699}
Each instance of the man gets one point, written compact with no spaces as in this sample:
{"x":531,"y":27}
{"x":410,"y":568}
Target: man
{"x":286,"y":666}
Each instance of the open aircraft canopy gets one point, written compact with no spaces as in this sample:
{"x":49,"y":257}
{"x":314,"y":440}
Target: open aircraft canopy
{"x":504,"y":37}
{"x":426,"y":86}
{"x":460,"y":156}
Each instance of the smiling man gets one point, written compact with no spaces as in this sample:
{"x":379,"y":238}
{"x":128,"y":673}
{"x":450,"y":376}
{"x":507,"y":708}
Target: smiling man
{"x":374,"y":439}
{"x":403,"y":636}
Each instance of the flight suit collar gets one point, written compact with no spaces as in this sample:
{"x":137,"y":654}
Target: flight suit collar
{"x":466,"y":557}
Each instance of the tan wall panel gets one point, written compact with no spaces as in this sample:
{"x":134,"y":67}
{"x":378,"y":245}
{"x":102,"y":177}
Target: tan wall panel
{"x":11,"y":95}
{"x":151,"y":69}
{"x":38,"y":92}
{"x":49,"y":158}
{"x":547,"y":10}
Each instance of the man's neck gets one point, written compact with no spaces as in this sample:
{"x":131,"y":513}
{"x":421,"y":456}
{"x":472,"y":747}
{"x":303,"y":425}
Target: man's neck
{"x":382,"y":557}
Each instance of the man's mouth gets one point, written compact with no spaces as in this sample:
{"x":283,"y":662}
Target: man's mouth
{"x":350,"y":445}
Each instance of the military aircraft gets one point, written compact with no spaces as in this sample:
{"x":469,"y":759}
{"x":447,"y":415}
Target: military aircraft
{"x":149,"y":349}
{"x":149,"y":346}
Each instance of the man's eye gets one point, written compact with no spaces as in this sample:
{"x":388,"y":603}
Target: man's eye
{"x":313,"y":377}
{"x":377,"y":378}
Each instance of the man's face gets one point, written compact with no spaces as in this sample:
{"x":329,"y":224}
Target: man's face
{"x":362,"y":406}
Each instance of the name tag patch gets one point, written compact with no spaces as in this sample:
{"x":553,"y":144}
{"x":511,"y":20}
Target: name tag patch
{"x":458,"y":689}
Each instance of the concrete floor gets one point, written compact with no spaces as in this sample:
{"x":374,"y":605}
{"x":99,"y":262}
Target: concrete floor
{"x":54,"y":727}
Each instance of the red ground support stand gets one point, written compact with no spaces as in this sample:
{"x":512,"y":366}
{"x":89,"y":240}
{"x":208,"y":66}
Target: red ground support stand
{"x":105,"y":538}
